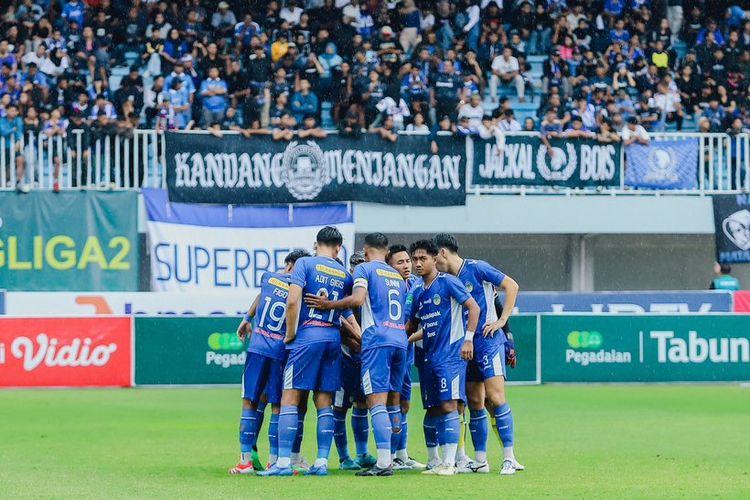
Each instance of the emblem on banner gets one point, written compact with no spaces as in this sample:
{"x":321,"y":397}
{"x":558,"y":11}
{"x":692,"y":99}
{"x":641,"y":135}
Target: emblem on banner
{"x":562,"y":164}
{"x":304,"y":170}
{"x":662,"y":166}
{"x":737,"y":228}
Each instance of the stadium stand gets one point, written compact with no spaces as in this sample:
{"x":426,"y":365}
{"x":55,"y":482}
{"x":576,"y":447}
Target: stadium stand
{"x":88,"y":70}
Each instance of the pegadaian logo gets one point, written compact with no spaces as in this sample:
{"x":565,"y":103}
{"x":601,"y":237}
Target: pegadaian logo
{"x":584,"y":340}
{"x":224,"y":341}
{"x":585,"y":349}
{"x":737,"y":228}
{"x":304,"y":170}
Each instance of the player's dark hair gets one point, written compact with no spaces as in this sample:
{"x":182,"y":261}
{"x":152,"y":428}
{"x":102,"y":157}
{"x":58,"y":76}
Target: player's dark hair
{"x":295,"y":255}
{"x":394,"y":249}
{"x":377,"y":240}
{"x":426,"y":245}
{"x":356,"y":259}
{"x":447,"y":241}
{"x":726,"y":269}
{"x":329,"y":236}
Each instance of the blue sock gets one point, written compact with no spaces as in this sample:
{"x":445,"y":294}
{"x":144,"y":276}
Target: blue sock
{"x":381,"y":429}
{"x":273,"y":435}
{"x":394,"y":415}
{"x":479,"y":429}
{"x":325,"y":432}
{"x":297,"y":445}
{"x":248,"y":430}
{"x":404,"y":432}
{"x":339,"y":434}
{"x":260,"y":413}
{"x":430,"y":431}
{"x":451,"y":427}
{"x":504,"y":424}
{"x":287,"y":434}
{"x":361,"y":429}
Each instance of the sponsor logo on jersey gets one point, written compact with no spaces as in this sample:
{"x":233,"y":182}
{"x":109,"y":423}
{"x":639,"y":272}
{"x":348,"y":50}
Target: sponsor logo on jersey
{"x":277,"y":282}
{"x":322,"y":268}
{"x":388,"y":274}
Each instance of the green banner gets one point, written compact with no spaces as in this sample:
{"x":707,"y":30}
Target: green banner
{"x":69,"y":241}
{"x":188,"y":351}
{"x":524,"y":335}
{"x":526,"y":161}
{"x":645,"y":348}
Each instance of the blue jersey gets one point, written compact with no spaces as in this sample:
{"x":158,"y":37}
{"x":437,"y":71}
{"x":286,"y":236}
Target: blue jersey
{"x":384,"y":308}
{"x":320,"y":276}
{"x":480,"y":279}
{"x":270,"y":329}
{"x":439,"y":309}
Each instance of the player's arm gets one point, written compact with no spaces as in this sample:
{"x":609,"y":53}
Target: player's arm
{"x":351,"y":333}
{"x":509,"y":286}
{"x":467,"y":349}
{"x":293,"y":302}
{"x":356,"y":299}
{"x":245,"y":327}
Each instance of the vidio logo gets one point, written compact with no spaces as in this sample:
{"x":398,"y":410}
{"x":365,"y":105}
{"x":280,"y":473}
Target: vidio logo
{"x":585,"y":340}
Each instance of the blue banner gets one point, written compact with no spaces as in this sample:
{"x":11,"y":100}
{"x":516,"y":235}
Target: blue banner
{"x":663,"y":165}
{"x":625,"y":302}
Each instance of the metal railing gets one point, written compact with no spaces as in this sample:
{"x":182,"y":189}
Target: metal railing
{"x":115,"y":161}
{"x":138,"y":160}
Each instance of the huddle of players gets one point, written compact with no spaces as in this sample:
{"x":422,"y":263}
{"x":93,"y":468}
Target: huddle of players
{"x":308,"y":339}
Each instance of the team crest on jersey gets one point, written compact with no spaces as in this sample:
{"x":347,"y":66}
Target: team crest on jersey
{"x":436,"y":300}
{"x":469,"y":287}
{"x":304,"y":170}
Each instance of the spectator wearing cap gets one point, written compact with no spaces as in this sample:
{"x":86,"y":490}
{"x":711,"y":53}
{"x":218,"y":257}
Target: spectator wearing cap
{"x":632,"y":133}
{"x":188,"y":85}
{"x":505,"y":70}
{"x":577,"y":130}
{"x":508,"y":122}
{"x":473,"y":111}
{"x":223,"y":20}
{"x":214,"y":97}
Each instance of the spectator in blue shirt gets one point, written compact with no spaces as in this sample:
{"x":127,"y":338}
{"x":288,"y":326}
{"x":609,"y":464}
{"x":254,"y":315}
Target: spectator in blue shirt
{"x":619,"y":34}
{"x":74,"y":10}
{"x":180,"y":103}
{"x":214,"y":94}
{"x":712,"y":27}
{"x":11,"y":132}
{"x":304,"y":102}
{"x":246,"y":30}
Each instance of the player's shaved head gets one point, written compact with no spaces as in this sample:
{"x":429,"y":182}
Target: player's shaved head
{"x":447,"y":241}
{"x":377,"y":240}
{"x":295,"y":255}
{"x":329,"y":236}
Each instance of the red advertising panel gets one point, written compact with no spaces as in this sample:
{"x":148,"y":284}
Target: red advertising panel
{"x":742,"y":302}
{"x":65,"y":352}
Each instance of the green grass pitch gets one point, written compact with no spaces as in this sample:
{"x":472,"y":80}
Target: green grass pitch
{"x":576,"y":441}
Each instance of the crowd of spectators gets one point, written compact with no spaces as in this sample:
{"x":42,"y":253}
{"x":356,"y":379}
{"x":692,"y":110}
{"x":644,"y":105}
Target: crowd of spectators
{"x":279,"y":66}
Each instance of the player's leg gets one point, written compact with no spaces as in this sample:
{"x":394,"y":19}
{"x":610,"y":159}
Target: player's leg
{"x":461,"y":458}
{"x":376,"y":384}
{"x":360,"y":419}
{"x":253,"y":383}
{"x":402,"y":458}
{"x":397,"y":363}
{"x":272,"y":396}
{"x":273,"y":435}
{"x":431,"y":415}
{"x":298,"y":461}
{"x":495,"y":390}
{"x":327,"y":381}
{"x":300,"y":375}
{"x":478,"y":424}
{"x":342,"y":401}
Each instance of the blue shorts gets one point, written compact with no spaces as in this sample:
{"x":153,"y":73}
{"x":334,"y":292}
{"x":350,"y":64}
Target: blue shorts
{"x":262,"y":375}
{"x":383,"y":369}
{"x":406,"y":386}
{"x":351,"y":383}
{"x":442,"y":383}
{"x":314,"y":367}
{"x":487,"y":364}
